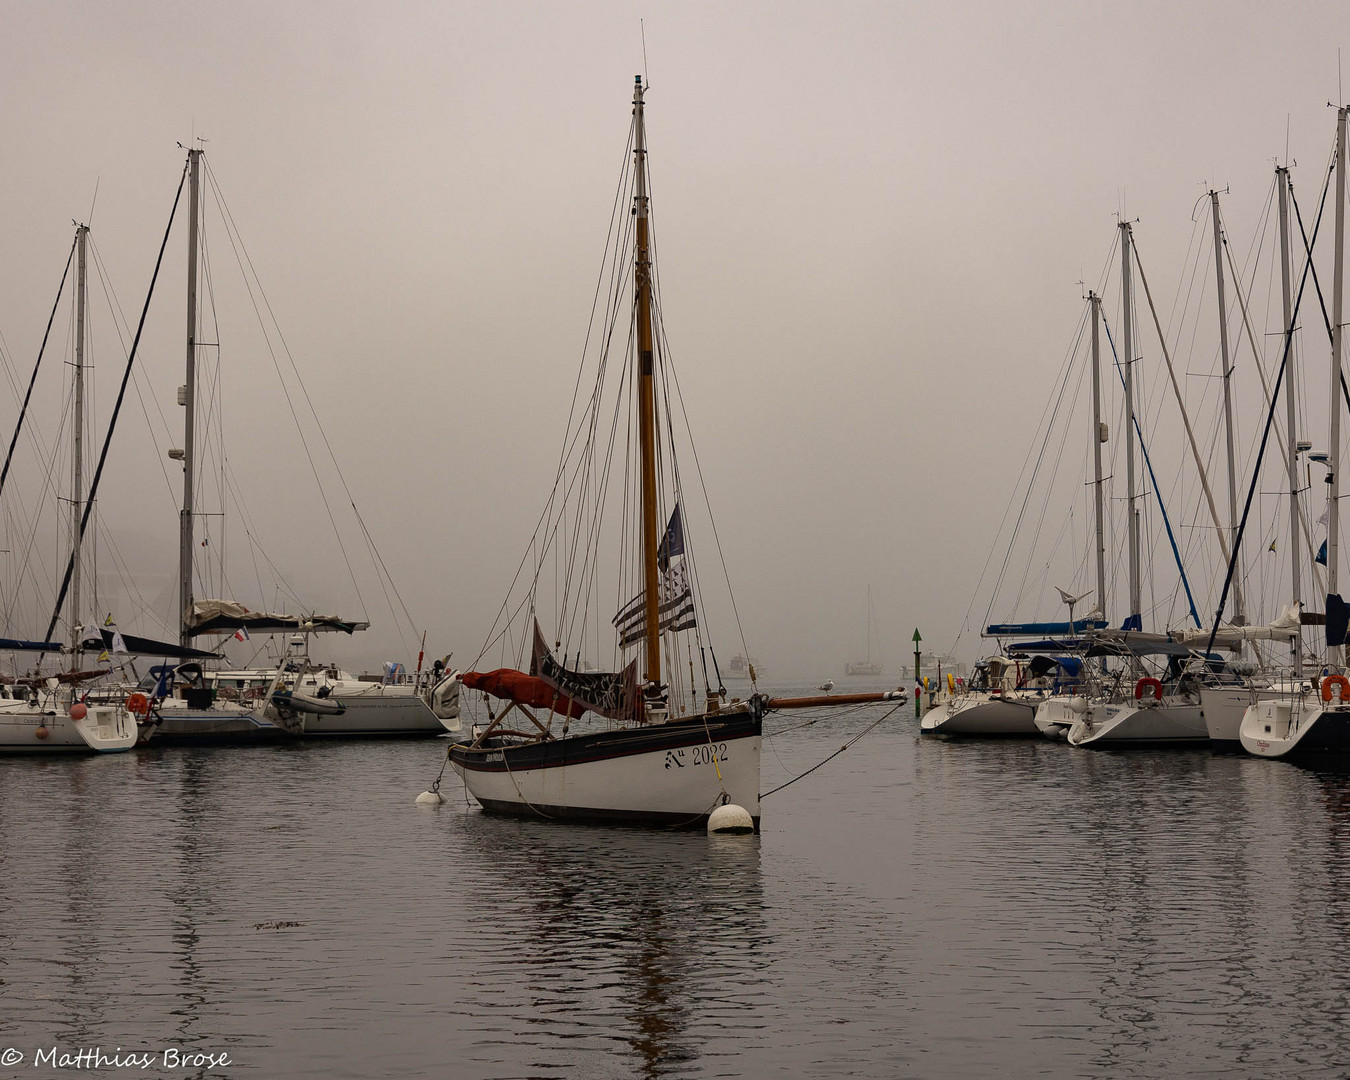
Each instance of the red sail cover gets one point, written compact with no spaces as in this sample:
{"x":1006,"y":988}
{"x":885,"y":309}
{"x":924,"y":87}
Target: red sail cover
{"x":610,"y":693}
{"x":523,"y":690}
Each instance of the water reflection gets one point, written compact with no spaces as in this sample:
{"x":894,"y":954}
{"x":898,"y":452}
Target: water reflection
{"x":916,"y":909}
{"x":663,"y":933}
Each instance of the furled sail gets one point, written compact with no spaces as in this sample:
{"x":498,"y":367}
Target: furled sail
{"x":105,"y":637}
{"x":1283,"y":628}
{"x":610,"y":693}
{"x":676,"y":597}
{"x":226,"y":616}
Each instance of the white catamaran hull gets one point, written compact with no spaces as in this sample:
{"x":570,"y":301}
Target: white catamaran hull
{"x":664,"y":774}
{"x":1115,"y":724}
{"x":981,"y":714}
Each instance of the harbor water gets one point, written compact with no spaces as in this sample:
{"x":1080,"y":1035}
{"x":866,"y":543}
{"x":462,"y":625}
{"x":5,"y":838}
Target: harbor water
{"x":916,"y":907}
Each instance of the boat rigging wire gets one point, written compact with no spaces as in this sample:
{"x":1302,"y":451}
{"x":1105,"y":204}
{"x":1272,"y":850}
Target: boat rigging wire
{"x":1148,"y":461}
{"x":1052,"y":408}
{"x":23,"y":412}
{"x":112,"y":422}
{"x":846,"y":745}
{"x":250,"y":277}
{"x":1012,"y":496}
{"x":1256,"y":472}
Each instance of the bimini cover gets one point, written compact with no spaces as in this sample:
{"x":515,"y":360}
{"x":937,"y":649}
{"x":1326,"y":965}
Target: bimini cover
{"x":1071,"y":666}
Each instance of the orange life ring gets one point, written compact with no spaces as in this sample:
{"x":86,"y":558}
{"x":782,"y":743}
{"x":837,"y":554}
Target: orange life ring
{"x":1146,"y":683}
{"x":138,"y":705}
{"x":1336,"y":680}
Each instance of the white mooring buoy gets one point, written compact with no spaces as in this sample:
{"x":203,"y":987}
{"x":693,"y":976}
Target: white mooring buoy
{"x":730,"y":818}
{"x":430,"y":798}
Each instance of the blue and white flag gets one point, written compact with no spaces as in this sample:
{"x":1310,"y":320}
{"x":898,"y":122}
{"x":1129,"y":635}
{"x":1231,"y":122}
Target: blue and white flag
{"x":1322,"y":554}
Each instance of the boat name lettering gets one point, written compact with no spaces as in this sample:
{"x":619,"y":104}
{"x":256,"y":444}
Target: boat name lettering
{"x":494,"y":756}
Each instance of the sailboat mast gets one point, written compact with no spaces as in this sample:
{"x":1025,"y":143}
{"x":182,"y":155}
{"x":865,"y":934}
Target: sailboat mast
{"x":1239,"y":608}
{"x":1136,"y":598}
{"x":1282,"y":181}
{"x":1337,"y":306}
{"x":1097,"y":440}
{"x":642,"y":278}
{"x":189,"y":403}
{"x":77,"y":476}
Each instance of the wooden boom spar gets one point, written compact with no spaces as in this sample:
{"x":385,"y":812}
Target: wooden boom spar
{"x":898,"y":696}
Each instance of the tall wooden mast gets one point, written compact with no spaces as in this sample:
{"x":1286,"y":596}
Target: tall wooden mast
{"x":642,"y":279}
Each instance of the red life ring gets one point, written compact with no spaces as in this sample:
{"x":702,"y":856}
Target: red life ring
{"x":1145,"y":683}
{"x":1336,"y":680}
{"x":138,"y":705}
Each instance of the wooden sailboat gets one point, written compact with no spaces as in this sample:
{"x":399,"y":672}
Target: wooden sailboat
{"x":640,"y":756}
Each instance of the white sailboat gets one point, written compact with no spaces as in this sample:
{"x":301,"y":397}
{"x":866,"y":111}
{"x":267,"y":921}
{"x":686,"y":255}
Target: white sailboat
{"x":294,"y":697}
{"x":1162,"y":709}
{"x":1311,"y":719}
{"x":50,"y":715}
{"x":635,"y":745}
{"x":868,"y":667}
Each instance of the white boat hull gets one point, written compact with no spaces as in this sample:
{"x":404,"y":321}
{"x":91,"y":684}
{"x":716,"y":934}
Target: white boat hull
{"x":981,"y":714}
{"x":29,"y":729}
{"x":1115,"y":724}
{"x":1296,"y":727}
{"x":377,"y":713}
{"x":662,"y":774}
{"x":1225,"y":706}
{"x":173,"y":722}
{"x":1055,"y":716}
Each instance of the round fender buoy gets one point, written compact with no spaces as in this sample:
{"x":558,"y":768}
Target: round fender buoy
{"x":42,"y":731}
{"x":730,"y":818}
{"x":79,"y":711}
{"x":430,"y":798}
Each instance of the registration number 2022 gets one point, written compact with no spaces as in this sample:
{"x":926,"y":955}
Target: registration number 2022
{"x":696,"y":755}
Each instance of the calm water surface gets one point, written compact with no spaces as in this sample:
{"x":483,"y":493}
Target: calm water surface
{"x":915,"y":908}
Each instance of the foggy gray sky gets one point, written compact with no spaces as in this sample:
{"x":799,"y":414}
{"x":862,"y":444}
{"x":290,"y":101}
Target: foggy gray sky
{"x":873,"y":222}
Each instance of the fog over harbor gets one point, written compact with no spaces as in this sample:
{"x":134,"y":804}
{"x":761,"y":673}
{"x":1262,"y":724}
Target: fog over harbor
{"x":877,"y":223}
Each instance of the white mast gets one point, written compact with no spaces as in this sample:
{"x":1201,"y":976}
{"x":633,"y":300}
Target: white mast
{"x":1098,"y":437}
{"x":77,"y":480}
{"x":1287,"y":349}
{"x":1334,"y":475}
{"x":1239,"y":608}
{"x":1126,"y":239}
{"x":187,"y":399}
